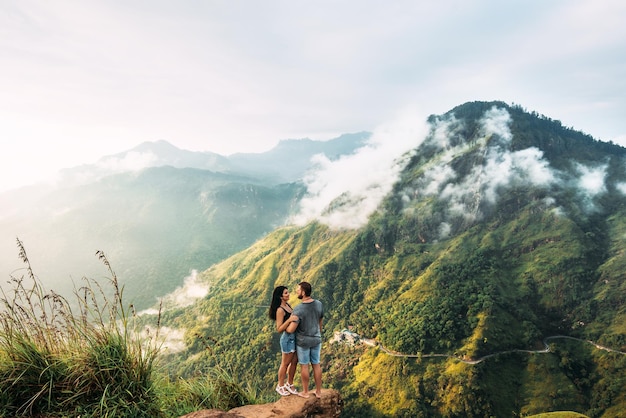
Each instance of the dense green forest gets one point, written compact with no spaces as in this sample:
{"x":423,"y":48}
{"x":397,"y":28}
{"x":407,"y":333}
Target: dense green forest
{"x":504,"y":228}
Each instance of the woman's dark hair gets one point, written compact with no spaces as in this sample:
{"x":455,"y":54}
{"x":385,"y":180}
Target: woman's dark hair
{"x":276,"y":297}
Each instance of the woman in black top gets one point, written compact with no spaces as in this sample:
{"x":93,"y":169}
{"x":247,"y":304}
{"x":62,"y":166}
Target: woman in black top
{"x":281,"y":312}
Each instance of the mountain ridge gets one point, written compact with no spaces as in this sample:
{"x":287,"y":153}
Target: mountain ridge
{"x":294,"y":154}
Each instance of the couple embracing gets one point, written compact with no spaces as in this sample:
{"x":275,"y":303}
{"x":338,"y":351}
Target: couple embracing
{"x":300,"y":339}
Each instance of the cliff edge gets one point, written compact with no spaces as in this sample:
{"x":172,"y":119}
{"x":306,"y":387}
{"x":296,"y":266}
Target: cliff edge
{"x":328,"y":406}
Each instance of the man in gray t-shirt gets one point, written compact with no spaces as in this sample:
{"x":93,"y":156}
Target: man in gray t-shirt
{"x":309,"y":338}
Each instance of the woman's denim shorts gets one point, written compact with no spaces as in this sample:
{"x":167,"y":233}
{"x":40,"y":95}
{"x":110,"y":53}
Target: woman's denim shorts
{"x":288,"y":342}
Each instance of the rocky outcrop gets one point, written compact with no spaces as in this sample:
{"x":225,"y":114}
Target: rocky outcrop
{"x":328,"y":406}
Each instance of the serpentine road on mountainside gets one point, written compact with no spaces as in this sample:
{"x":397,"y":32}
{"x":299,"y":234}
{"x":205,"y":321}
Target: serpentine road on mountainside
{"x":373,"y":343}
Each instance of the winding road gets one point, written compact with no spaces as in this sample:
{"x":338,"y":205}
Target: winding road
{"x":546,"y":349}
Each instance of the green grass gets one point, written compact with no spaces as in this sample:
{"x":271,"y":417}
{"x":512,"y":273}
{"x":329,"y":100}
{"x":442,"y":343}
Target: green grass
{"x":97,"y":363}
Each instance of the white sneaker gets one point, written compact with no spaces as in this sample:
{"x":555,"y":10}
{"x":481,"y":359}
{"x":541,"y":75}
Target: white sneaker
{"x":282,"y":391}
{"x":291,"y":389}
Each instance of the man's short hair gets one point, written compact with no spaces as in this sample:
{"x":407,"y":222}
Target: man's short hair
{"x":306,"y":288}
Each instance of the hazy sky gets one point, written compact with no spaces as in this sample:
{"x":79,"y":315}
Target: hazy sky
{"x":86,"y":78}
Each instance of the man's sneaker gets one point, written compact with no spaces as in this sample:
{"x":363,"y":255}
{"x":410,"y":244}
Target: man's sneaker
{"x":282,"y":391}
{"x":291,"y":389}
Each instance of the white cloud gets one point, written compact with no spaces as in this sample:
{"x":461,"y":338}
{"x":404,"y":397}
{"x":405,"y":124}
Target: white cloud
{"x":344,"y":193}
{"x":504,"y":168}
{"x":531,"y":166}
{"x":436,"y":178}
{"x":591,"y":180}
{"x":496,"y":122}
{"x":444,"y":230}
{"x":171,"y":340}
{"x":131,"y":161}
{"x":499,"y":169}
{"x":174,"y":339}
{"x":443,"y":130}
{"x":191,"y":290}
{"x":590,"y":183}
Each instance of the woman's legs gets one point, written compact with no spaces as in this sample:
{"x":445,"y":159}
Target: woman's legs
{"x":285,"y":360}
{"x":291,"y":370}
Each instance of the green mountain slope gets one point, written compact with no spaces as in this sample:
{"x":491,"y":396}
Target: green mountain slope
{"x":505,"y":228}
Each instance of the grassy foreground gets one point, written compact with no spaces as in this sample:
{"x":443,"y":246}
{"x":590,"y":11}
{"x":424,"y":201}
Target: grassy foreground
{"x":96,"y":363}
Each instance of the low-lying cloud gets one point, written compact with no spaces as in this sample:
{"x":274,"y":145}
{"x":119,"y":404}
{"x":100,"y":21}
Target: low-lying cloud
{"x":345,"y":192}
{"x":191,"y":290}
{"x":591,"y":180}
{"x":590,"y":183}
{"x":496,"y":168}
{"x":130,"y":161}
{"x":496,"y":122}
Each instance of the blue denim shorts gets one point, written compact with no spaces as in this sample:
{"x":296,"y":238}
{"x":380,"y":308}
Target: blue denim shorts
{"x":288,"y":342}
{"x":309,"y":355}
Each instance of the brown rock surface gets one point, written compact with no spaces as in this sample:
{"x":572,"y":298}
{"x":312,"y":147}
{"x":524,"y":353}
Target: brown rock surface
{"x":328,"y":406}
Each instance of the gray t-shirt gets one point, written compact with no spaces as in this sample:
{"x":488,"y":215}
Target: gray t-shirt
{"x":308,"y":333}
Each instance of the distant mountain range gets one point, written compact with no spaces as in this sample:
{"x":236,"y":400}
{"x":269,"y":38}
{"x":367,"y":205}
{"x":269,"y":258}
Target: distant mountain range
{"x":285,"y":163}
{"x":157,"y":212}
{"x":503,"y":230}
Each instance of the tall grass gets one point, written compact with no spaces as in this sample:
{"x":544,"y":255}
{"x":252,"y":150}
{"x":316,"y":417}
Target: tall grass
{"x":214,"y":390}
{"x":93,"y":363}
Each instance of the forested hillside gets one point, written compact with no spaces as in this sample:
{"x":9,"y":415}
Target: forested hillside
{"x":505,"y":228}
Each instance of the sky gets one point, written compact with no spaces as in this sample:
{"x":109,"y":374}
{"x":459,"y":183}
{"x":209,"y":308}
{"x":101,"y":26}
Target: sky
{"x":83,"y":79}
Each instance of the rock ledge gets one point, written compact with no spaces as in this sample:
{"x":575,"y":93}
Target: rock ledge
{"x":328,"y":406}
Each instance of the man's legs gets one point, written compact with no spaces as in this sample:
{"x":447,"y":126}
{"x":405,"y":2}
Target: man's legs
{"x":304,"y":359}
{"x":304,"y":374}
{"x":317,"y":369}
{"x":317,"y":376}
